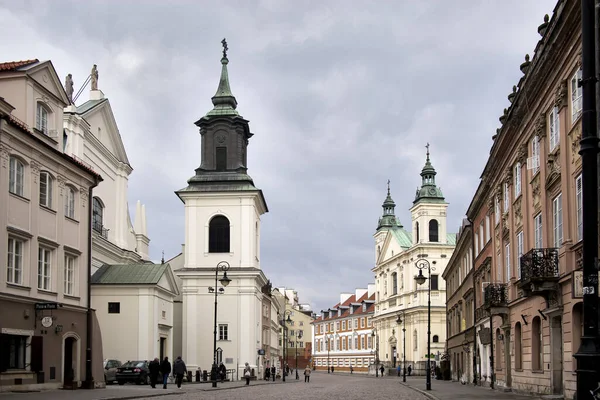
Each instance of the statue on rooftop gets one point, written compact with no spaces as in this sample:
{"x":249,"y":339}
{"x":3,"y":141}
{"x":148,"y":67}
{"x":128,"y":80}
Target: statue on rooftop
{"x":69,"y":87}
{"x":94,"y":77}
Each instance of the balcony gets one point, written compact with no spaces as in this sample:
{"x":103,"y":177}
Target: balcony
{"x":100,"y":230}
{"x":495,"y":295}
{"x":540,"y":274}
{"x":481,"y":313}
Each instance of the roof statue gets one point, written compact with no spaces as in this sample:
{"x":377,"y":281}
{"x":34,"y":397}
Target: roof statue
{"x":225,"y":48}
{"x":94,"y":77}
{"x":69,"y":87}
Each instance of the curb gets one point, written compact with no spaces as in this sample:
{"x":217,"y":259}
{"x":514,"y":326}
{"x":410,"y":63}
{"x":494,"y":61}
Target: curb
{"x":423,"y":392}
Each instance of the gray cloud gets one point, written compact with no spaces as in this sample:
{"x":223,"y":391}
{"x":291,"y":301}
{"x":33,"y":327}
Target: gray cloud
{"x":341,"y":97}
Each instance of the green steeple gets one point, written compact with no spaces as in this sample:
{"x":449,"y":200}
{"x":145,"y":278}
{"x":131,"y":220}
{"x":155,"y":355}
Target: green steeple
{"x":388,"y":220}
{"x":224,"y":101}
{"x":428,"y":192}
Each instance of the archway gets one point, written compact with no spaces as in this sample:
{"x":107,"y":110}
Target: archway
{"x":71,"y":360}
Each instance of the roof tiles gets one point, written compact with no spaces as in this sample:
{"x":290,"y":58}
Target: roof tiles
{"x":15,"y":65}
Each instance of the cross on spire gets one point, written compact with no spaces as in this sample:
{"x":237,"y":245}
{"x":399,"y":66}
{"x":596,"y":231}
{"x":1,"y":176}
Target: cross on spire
{"x":427,"y":147}
{"x":388,"y":187}
{"x":225,"y":48}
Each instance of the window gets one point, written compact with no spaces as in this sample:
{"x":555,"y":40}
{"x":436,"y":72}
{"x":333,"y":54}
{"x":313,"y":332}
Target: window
{"x":579,"y":203}
{"x":344,"y":325}
{"x":221,"y":156}
{"x":535,"y":155}
{"x":476,"y":243}
{"x":218,"y":238}
{"x":223,"y":332}
{"x":41,"y":119}
{"x":70,"y":203}
{"x":355,"y":342}
{"x":488,"y":236}
{"x":394,"y":283}
{"x":362,"y":342}
{"x":481,"y":237}
{"x":537,"y":231}
{"x":554,"y":128}
{"x":435,"y":339}
{"x":517,"y":180}
{"x":536,"y":344}
{"x":506,"y":194}
{"x":416,"y":232}
{"x":434,"y":282}
{"x":14,"y":271}
{"x":13,"y":349}
{"x":557,"y":220}
{"x":362,"y":320}
{"x":45,"y":189}
{"x":576,"y":96}
{"x":69,"y":274}
{"x":369,"y":341}
{"x":433,"y":231}
{"x":518,"y":346}
{"x":519,"y":252}
{"x":355,"y":324}
{"x":44,"y":268}
{"x":15,"y":181}
{"x":114,"y":308}
{"x":97,"y":215}
{"x":507,"y":260}
{"x":496,"y":210}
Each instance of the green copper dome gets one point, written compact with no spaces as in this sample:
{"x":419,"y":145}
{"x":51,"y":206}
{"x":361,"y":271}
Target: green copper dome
{"x":224,"y":101}
{"x":388,"y":220}
{"x":428,"y":192}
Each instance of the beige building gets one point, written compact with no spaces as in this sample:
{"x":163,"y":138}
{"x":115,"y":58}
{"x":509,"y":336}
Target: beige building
{"x":528,"y":210}
{"x":45,"y":235}
{"x":298,"y":345}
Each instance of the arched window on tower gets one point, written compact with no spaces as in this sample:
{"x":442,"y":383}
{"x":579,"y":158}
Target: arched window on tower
{"x":433,"y":231}
{"x":416,"y":232}
{"x":218,"y":235}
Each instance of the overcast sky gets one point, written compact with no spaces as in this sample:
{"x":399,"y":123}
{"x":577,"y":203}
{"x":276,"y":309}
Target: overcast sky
{"x":341,"y":96}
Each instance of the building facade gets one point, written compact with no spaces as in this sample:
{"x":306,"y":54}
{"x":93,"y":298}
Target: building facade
{"x":460,"y":305}
{"x":398,"y":253}
{"x":222,"y":224}
{"x":46,"y":322}
{"x":344,"y":337}
{"x":528,"y":266}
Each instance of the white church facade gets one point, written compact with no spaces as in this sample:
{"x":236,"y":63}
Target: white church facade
{"x":401,"y":318}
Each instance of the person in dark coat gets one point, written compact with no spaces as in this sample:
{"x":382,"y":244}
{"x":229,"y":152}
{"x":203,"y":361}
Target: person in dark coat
{"x":382,"y":370}
{"x":165,"y":370}
{"x":154,"y":369}
{"x":222,"y":372}
{"x":179,"y":369}
{"x":273,"y":372}
{"x":409,"y":370}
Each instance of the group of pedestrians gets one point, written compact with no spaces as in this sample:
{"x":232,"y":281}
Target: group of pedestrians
{"x":164,"y":367}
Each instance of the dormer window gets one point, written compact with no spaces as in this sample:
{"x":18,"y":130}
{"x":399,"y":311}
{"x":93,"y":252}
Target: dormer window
{"x":41,"y":119}
{"x":364,"y":307}
{"x":339,"y":313}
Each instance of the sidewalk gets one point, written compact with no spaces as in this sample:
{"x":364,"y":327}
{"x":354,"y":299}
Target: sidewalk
{"x":132,"y":391}
{"x":448,"y":390}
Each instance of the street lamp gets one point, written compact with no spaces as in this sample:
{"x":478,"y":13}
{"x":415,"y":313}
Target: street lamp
{"x":222,"y":266}
{"x":421,"y":264}
{"x":283,"y":323}
{"x":298,"y":336}
{"x":376,"y":340}
{"x":328,"y":338}
{"x":402,"y":320}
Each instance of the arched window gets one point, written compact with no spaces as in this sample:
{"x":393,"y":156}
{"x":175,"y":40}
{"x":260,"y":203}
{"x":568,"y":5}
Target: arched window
{"x":41,"y":118}
{"x":416,"y":232}
{"x":218,"y":236}
{"x":436,"y":339}
{"x":45,"y":189}
{"x":70,"y":203}
{"x":518,"y":347}
{"x":536,"y":344}
{"x":577,"y":330}
{"x":16,"y":174}
{"x":498,"y":349}
{"x":433,"y":231}
{"x":394,"y":283}
{"x":97,"y":215}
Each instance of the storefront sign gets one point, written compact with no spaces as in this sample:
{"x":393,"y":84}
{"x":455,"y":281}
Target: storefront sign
{"x":46,"y":306}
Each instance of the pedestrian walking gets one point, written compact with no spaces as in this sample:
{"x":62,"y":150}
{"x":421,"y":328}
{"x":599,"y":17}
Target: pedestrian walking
{"x":409,"y":370}
{"x":399,"y":369}
{"x":273,"y":372}
{"x":165,"y":370}
{"x":154,"y":369}
{"x":247,"y":373}
{"x":332,"y":366}
{"x":351,"y":369}
{"x":222,"y":372}
{"x":382,"y":370}
{"x":307,"y":372}
{"x":179,"y":369}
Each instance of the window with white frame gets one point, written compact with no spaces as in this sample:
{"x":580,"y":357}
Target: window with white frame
{"x":45,"y":189}
{"x":344,"y":325}
{"x":481,"y":236}
{"x":355,"y":342}
{"x":362,"y":342}
{"x":14,"y":270}
{"x":579,"y":205}
{"x":44,"y":268}
{"x":369,"y":342}
{"x":70,"y":203}
{"x":507,"y":260}
{"x":488,"y":236}
{"x":537,"y":231}
{"x":69,"y":275}
{"x":535,"y":155}
{"x":576,"y":96}
{"x":476,"y":243}
{"x":554,"y":128}
{"x":557,"y":220}
{"x":519,"y":252}
{"x":41,"y":119}
{"x":496,"y":210}
{"x":355,"y":323}
{"x":517,"y":180}
{"x":506,"y":197}
{"x":223,"y":332}
{"x":15,"y":178}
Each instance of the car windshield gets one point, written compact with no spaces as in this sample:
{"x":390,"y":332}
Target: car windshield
{"x":137,"y":364}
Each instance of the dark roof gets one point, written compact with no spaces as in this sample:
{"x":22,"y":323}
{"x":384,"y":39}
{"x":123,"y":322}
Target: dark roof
{"x":129,"y":274}
{"x":346,"y":311}
{"x":15,"y":65}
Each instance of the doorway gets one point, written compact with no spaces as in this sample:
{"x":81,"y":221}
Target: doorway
{"x":68,"y":365}
{"x":557,"y":354}
{"x":163,"y":347}
{"x":394,"y":354}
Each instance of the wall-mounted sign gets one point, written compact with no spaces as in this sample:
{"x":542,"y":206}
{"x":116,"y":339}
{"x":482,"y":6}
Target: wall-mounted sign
{"x":47,"y":322}
{"x":261,"y":352}
{"x":46,"y":306}
{"x":577,"y":280}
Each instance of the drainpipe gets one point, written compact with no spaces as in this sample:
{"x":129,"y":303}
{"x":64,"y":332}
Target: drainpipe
{"x":474,"y":302}
{"x":89,"y":379}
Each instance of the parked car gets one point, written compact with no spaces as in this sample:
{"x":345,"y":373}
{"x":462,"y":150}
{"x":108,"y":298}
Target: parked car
{"x":134,"y":371}
{"x":110,"y":370}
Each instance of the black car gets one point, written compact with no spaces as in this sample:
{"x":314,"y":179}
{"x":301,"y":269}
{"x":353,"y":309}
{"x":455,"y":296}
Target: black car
{"x":133,"y":371}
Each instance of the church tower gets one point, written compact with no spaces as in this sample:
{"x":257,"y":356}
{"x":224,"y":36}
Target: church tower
{"x":429,"y":209}
{"x":222,"y":223}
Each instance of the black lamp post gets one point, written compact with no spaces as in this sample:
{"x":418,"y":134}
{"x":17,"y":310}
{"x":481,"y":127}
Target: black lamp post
{"x":222,"y":266}
{"x":376,"y":340}
{"x":298,"y":336}
{"x":402,"y":320}
{"x":328,"y":338}
{"x":421,"y":264}
{"x":283,"y":323}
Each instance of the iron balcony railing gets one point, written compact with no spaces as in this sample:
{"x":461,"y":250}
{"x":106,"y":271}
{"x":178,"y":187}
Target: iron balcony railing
{"x":100,"y":229}
{"x":539,"y":264}
{"x":495,"y":295}
{"x":481,"y":313}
